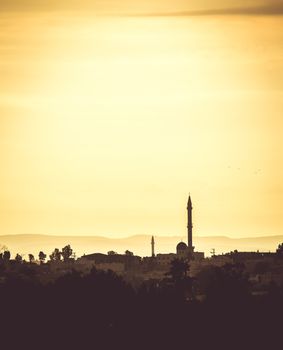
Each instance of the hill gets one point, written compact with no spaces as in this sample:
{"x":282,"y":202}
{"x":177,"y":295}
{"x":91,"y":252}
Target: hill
{"x":139,"y":244}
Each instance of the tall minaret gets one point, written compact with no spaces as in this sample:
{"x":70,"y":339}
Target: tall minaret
{"x":190,"y":225}
{"x":152,"y":247}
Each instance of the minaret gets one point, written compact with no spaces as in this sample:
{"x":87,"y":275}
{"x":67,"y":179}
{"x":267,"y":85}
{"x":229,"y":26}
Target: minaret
{"x":152,"y":247}
{"x":190,"y":225}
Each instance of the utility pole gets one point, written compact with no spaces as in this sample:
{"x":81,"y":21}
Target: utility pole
{"x":212,"y":252}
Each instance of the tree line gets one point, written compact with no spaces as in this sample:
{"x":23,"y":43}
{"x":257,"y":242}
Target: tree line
{"x":65,"y":254}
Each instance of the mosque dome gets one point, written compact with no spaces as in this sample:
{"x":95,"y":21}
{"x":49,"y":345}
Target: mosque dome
{"x":181,"y":246}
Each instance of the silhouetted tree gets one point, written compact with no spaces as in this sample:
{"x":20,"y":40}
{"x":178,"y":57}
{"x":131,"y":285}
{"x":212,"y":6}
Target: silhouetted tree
{"x":224,"y":284}
{"x":279,"y":250}
{"x":179,"y":275}
{"x":111,"y":252}
{"x":19,"y":258}
{"x":179,"y":269}
{"x":6,"y":255}
{"x":67,"y":252}
{"x":129,"y":253}
{"x":55,"y":255}
{"x":41,"y":257}
{"x":31,"y":258}
{"x":3,"y":248}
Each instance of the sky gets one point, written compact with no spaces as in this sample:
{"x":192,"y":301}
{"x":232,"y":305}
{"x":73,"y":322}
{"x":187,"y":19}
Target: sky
{"x":112,"y":112}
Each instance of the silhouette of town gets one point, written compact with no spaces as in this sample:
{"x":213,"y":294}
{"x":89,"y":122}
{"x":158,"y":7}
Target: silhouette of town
{"x":159,"y":301}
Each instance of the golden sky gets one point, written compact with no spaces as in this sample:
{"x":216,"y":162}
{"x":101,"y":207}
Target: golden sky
{"x":111,"y":112}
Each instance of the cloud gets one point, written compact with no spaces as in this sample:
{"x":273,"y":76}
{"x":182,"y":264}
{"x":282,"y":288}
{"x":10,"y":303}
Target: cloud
{"x":150,"y":8}
{"x":266,"y":10}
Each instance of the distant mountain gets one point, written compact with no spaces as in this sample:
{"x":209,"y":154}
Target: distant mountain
{"x":139,"y":244}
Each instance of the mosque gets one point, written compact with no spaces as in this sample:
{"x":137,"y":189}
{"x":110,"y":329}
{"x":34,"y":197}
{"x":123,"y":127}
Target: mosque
{"x":183,"y":250}
{"x":188,"y":251}
{"x":127,"y":262}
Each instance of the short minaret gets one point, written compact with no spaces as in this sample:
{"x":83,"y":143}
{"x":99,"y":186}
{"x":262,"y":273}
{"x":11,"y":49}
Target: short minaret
{"x":190,"y":224}
{"x":152,"y":247}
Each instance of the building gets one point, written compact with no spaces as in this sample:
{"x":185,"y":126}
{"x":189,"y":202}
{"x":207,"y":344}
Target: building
{"x":186,"y":251}
{"x":114,"y":262}
{"x":183,"y":250}
{"x":165,"y":259}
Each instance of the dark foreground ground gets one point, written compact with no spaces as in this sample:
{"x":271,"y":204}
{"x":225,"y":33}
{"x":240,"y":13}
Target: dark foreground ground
{"x":100,"y":311}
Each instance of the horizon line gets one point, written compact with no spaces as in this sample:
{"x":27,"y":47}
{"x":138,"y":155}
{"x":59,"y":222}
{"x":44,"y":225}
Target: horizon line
{"x":136,"y":235}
